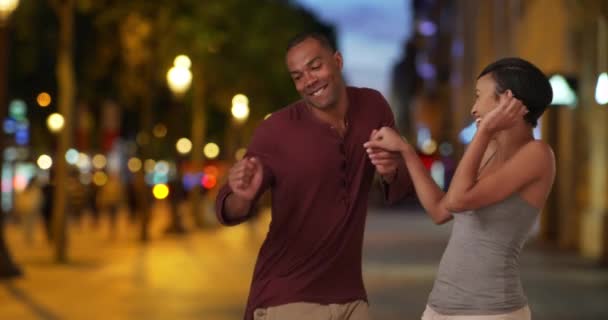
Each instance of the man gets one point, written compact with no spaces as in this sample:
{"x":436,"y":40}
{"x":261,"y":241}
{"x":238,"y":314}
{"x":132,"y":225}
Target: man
{"x":310,"y":154}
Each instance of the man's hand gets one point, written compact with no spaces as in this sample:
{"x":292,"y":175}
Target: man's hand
{"x":245,"y":178}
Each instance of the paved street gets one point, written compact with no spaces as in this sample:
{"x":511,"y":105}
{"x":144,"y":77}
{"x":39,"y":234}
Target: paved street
{"x":205,"y":275}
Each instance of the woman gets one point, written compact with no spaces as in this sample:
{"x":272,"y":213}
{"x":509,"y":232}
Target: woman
{"x":497,"y":191}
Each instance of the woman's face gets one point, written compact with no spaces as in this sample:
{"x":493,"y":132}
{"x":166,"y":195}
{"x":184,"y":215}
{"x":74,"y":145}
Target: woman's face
{"x":485,"y":97}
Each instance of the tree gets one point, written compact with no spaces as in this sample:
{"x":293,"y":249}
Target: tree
{"x":66,"y":85}
{"x":123,"y":49}
{"x":235,"y":46}
{"x":8,"y":268}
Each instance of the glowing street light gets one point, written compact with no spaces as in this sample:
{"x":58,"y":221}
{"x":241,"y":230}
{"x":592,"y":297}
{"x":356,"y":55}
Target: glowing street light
{"x":240,"y":107}
{"x":55,"y":122}
{"x":44,"y":162}
{"x":99,"y":161}
{"x":100,"y":178}
{"x":183,"y":145}
{"x":6,"y":8}
{"x":134,"y":164}
{"x":211,"y":150}
{"x":71,"y":156}
{"x":182,"y":61}
{"x":179,"y":77}
{"x":43,"y":99}
{"x":160,"y":191}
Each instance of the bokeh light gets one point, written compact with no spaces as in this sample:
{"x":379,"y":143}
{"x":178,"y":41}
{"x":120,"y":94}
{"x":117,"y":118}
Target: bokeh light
{"x":211,"y":150}
{"x":43,"y":99}
{"x":183,"y":146}
{"x":55,"y":122}
{"x":160,"y":191}
{"x":134,"y":164}
{"x":44,"y":162}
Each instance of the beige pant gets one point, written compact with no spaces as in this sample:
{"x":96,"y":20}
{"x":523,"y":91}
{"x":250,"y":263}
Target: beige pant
{"x":356,"y":310}
{"x":521,"y":314}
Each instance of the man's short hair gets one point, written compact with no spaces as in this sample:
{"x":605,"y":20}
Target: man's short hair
{"x":319,"y":36}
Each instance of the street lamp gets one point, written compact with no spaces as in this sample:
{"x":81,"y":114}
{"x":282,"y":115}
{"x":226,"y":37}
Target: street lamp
{"x":44,"y":162}
{"x":240,"y":108}
{"x":6,"y":9}
{"x":211,"y":150}
{"x":179,"y":77}
{"x":55,"y":122}
{"x":43,"y":99}
{"x":240,"y":113}
{"x":183,"y":146}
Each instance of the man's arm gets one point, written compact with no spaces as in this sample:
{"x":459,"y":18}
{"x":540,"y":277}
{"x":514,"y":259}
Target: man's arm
{"x":247,"y":181}
{"x":396,"y":183}
{"x":235,"y":207}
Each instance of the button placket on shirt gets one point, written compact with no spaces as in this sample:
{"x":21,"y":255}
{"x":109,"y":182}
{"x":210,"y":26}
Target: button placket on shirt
{"x":343,"y":167}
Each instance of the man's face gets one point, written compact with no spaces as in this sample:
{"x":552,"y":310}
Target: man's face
{"x":316,"y":72}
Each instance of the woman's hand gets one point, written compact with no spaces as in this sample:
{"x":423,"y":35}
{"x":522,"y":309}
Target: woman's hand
{"x":386,"y":138}
{"x":508,"y":112}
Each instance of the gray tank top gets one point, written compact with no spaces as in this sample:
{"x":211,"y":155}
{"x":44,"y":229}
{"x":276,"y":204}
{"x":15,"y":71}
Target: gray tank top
{"x":479,"y":270}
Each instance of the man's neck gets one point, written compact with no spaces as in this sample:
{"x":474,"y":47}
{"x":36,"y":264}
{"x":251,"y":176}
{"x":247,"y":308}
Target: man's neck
{"x":334,"y":115}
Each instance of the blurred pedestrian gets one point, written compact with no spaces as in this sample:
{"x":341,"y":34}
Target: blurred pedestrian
{"x":310,"y":155}
{"x":109,"y":199}
{"x":77,"y":196}
{"x":48,"y":191}
{"x":177,"y":195}
{"x":28,"y":206}
{"x":496,"y":194}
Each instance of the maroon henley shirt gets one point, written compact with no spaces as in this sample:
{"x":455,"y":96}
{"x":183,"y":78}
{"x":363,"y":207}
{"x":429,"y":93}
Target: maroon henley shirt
{"x":319,"y":184}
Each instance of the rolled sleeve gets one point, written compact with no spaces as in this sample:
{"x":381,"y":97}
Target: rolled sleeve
{"x":261,"y":147}
{"x":225,"y":191}
{"x":399,"y":188}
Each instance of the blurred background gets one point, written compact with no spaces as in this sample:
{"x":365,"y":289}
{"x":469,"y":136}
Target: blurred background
{"x":121,"y":118}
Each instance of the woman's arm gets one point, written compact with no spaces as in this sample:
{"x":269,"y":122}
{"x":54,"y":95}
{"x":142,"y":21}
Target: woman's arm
{"x":429,"y":194}
{"x":528,"y":164}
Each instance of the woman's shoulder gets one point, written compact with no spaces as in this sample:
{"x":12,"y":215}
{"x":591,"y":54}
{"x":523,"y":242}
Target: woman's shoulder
{"x":538,"y":150}
{"x":539,"y":156}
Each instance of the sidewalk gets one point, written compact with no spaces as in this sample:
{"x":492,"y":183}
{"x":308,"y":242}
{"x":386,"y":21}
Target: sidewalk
{"x":202,"y":275}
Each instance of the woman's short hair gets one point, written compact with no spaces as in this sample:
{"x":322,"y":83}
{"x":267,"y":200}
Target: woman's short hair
{"x":526,"y":82}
